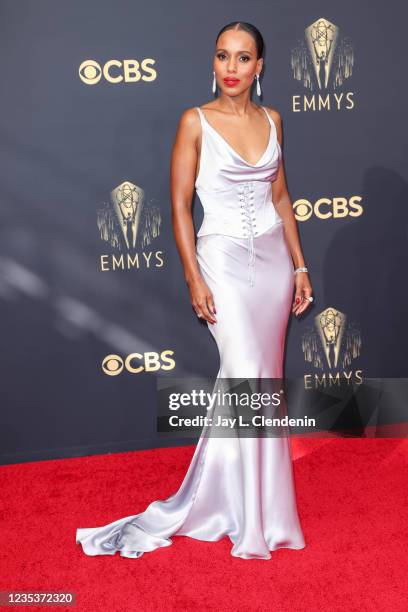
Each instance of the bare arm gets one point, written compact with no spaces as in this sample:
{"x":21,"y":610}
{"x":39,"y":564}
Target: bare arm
{"x":184,"y":159}
{"x":284,"y":207}
{"x":283,"y":203}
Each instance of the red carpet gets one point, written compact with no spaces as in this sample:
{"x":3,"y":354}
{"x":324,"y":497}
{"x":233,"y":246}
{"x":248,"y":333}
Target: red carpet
{"x":352,"y":499}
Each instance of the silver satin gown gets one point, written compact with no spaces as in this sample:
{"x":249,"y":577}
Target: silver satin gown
{"x":238,"y":487}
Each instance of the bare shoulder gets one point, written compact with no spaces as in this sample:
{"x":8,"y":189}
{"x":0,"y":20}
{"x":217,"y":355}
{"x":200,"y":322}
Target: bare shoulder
{"x":189,"y":118}
{"x":189,"y":127}
{"x":276,"y":118}
{"x":275,"y":115}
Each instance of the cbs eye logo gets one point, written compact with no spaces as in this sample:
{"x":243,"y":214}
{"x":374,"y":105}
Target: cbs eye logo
{"x":115,"y":71}
{"x":327,"y":208}
{"x":113,"y":365}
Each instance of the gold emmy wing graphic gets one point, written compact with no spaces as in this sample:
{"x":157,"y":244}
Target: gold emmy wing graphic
{"x":322,"y":54}
{"x":128,"y":220}
{"x":332,"y":340}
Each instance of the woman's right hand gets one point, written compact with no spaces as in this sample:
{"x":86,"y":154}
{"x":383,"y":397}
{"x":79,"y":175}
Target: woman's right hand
{"x":202,"y":300}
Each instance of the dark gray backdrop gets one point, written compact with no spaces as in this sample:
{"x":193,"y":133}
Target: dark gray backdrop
{"x":65,"y":145}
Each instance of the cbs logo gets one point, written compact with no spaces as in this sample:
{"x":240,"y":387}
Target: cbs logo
{"x":135,"y":363}
{"x":326,"y":208}
{"x":115,"y":71}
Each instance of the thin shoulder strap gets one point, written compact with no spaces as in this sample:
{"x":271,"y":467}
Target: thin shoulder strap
{"x":267,"y":114}
{"x":200,"y":112}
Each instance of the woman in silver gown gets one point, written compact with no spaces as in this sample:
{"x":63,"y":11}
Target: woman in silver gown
{"x":241,"y":280}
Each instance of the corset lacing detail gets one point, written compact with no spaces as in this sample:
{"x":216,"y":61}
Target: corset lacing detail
{"x":246,"y":199}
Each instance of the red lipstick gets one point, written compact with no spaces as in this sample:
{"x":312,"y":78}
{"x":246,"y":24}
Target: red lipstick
{"x":231,"y":81}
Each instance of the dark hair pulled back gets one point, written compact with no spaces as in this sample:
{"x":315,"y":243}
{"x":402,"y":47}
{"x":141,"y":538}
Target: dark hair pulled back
{"x":246,"y":27}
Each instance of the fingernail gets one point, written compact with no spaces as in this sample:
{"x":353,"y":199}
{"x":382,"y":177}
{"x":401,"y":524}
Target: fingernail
{"x":297,"y":300}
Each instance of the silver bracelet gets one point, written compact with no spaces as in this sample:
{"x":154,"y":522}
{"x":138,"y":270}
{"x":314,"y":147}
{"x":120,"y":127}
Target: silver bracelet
{"x":300,"y":270}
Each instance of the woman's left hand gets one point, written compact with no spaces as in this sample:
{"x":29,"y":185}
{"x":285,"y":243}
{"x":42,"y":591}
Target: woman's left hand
{"x":303,"y":290}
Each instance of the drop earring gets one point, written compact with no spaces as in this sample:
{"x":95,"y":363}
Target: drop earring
{"x":258,"y":86}
{"x":214,"y":85}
